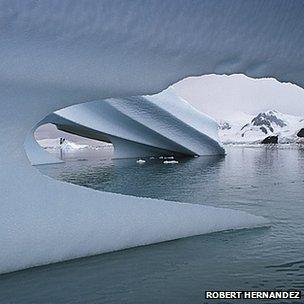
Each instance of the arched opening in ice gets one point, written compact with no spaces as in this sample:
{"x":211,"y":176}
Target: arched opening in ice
{"x":245,"y":110}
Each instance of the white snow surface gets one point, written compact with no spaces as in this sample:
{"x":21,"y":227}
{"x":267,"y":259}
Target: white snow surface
{"x":59,"y":53}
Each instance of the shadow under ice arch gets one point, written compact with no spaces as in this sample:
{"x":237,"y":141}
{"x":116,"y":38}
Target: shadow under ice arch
{"x":56,"y":54}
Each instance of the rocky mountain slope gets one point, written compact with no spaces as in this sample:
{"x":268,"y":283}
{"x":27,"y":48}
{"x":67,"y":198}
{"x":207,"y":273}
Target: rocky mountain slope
{"x":254,"y":129}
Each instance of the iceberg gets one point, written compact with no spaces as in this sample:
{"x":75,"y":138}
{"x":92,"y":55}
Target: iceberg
{"x":55,"y":54}
{"x":142,"y":126}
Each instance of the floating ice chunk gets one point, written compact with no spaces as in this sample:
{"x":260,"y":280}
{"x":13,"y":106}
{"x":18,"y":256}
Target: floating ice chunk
{"x":140,"y":161}
{"x":170,"y":161}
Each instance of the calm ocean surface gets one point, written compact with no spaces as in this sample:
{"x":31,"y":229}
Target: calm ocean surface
{"x":267,"y":181}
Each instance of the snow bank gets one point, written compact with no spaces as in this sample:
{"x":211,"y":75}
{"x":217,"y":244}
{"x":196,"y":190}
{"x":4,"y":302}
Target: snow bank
{"x":60,"y":53}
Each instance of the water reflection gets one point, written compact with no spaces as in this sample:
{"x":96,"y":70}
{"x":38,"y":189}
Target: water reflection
{"x":127,"y":177}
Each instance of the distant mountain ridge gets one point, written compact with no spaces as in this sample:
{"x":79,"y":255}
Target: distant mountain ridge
{"x":254,"y":129}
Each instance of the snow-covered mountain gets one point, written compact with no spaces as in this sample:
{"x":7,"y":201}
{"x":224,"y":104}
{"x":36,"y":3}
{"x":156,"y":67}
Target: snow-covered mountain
{"x":254,"y":129}
{"x":54,"y":144}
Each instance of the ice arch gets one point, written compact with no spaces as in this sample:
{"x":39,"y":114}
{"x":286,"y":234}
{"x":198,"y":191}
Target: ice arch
{"x":58,"y":53}
{"x":139,"y":126}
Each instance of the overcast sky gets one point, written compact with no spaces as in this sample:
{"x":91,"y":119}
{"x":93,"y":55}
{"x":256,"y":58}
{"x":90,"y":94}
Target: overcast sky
{"x":222,"y":97}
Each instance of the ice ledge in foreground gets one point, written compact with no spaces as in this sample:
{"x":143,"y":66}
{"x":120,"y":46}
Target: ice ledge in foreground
{"x":105,"y":223}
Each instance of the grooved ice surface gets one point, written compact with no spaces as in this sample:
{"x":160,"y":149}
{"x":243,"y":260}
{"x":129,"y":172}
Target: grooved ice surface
{"x":161,"y":124}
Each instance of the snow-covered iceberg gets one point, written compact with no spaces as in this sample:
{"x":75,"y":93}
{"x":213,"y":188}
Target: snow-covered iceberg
{"x":55,"y":54}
